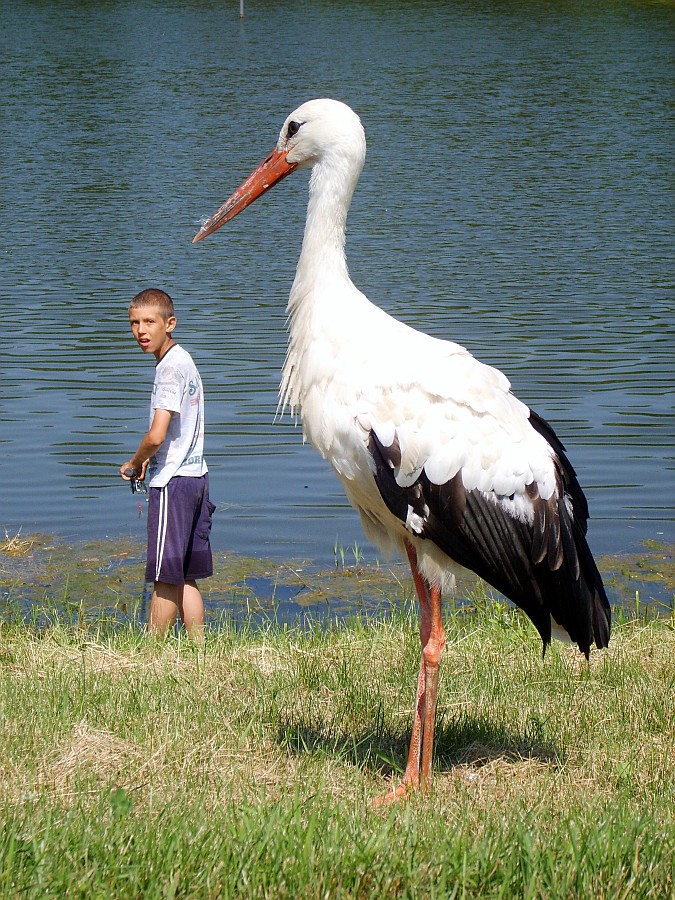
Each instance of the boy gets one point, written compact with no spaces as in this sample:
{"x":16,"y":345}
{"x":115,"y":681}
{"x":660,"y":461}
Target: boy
{"x":171,"y":456}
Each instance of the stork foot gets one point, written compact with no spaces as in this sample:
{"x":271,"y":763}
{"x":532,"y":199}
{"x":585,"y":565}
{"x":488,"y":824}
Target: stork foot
{"x":407,"y":787}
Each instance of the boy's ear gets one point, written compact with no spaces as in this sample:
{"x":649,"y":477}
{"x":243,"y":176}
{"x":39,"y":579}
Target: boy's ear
{"x":170,"y":324}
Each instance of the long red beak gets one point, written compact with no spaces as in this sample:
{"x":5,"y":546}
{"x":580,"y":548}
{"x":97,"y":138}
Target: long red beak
{"x":268,"y":173}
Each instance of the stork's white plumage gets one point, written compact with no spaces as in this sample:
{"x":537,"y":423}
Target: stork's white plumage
{"x":441,"y":461}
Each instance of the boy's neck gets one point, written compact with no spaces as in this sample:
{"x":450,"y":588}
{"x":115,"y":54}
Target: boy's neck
{"x":164,"y":349}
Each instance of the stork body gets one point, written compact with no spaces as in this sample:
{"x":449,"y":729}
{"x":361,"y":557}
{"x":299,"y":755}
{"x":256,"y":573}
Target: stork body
{"x":440,"y":459}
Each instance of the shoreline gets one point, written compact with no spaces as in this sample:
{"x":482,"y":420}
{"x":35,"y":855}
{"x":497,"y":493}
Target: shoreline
{"x":105,"y":577}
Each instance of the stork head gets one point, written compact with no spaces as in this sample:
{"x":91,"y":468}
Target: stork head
{"x":320,"y":132}
{"x":322,"y":129}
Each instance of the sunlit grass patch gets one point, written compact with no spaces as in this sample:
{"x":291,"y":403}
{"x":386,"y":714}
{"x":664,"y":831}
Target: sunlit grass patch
{"x":249,"y":767}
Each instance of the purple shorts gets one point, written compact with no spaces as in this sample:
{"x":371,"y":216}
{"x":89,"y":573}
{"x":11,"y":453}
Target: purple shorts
{"x":179,"y":525}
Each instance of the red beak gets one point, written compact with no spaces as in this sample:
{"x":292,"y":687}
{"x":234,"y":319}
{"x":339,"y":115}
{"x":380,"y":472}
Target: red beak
{"x":268,"y":173}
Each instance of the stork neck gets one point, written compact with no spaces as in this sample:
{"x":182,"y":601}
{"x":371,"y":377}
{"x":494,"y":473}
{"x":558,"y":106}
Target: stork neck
{"x":323,"y":245}
{"x":321,"y":268}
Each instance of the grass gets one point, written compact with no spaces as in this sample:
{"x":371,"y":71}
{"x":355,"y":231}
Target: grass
{"x":15,"y":545}
{"x":248,"y":768}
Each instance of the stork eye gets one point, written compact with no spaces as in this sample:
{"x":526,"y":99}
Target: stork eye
{"x":293,"y":128}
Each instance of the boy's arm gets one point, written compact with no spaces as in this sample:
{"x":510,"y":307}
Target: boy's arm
{"x":150,"y":444}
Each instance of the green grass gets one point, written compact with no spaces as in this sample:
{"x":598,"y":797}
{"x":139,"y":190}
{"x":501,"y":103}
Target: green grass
{"x":137,"y":768}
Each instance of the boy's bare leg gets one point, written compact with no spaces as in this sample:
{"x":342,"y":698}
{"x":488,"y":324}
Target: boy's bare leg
{"x":163,"y":607}
{"x":170,"y":600}
{"x":191,"y":609}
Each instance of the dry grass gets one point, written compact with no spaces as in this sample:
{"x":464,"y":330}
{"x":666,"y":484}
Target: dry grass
{"x":16,"y":546}
{"x":91,"y":757}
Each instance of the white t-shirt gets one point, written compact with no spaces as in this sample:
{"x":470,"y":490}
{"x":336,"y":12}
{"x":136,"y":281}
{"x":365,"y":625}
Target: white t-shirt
{"x":178,"y":388}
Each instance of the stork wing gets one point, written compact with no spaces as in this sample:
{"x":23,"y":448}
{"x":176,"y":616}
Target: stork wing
{"x":506,"y":504}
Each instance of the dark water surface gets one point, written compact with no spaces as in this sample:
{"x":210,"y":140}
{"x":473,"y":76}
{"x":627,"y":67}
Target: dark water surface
{"x":517,"y":198}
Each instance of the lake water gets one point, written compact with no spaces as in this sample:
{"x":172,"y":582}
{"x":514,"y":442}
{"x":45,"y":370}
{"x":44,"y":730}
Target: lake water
{"x":517,"y":198}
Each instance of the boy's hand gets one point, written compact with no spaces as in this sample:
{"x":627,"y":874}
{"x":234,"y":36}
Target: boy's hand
{"x":129,"y":472}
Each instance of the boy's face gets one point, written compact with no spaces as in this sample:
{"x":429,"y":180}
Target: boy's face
{"x":151,"y":330}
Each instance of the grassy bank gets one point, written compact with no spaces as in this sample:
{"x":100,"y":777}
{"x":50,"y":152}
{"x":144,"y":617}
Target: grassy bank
{"x":248,"y":768}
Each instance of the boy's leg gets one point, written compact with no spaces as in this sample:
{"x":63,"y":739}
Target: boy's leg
{"x":191,"y":609}
{"x":169,"y":601}
{"x":164,"y":607}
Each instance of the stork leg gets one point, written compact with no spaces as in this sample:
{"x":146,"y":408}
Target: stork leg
{"x":431,"y":654}
{"x":432,"y":639}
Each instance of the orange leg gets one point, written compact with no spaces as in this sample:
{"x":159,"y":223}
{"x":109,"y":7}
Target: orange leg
{"x":432,"y":638}
{"x":431,"y":653}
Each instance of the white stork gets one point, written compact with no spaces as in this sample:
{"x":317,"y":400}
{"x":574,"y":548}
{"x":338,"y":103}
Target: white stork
{"x":438,"y":457}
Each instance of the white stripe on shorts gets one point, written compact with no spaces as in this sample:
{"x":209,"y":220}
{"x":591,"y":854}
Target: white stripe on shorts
{"x":161,"y":529}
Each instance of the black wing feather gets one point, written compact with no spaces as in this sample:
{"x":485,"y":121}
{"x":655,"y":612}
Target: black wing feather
{"x":545,"y":568}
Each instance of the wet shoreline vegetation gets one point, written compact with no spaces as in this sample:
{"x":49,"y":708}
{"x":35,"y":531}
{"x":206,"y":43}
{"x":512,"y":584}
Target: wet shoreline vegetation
{"x":248,"y":767}
{"x":42,"y":577}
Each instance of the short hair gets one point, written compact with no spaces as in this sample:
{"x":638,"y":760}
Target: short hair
{"x":156,"y":298}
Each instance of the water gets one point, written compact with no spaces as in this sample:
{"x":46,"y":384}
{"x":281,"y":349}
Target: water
{"x":517,"y":198}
